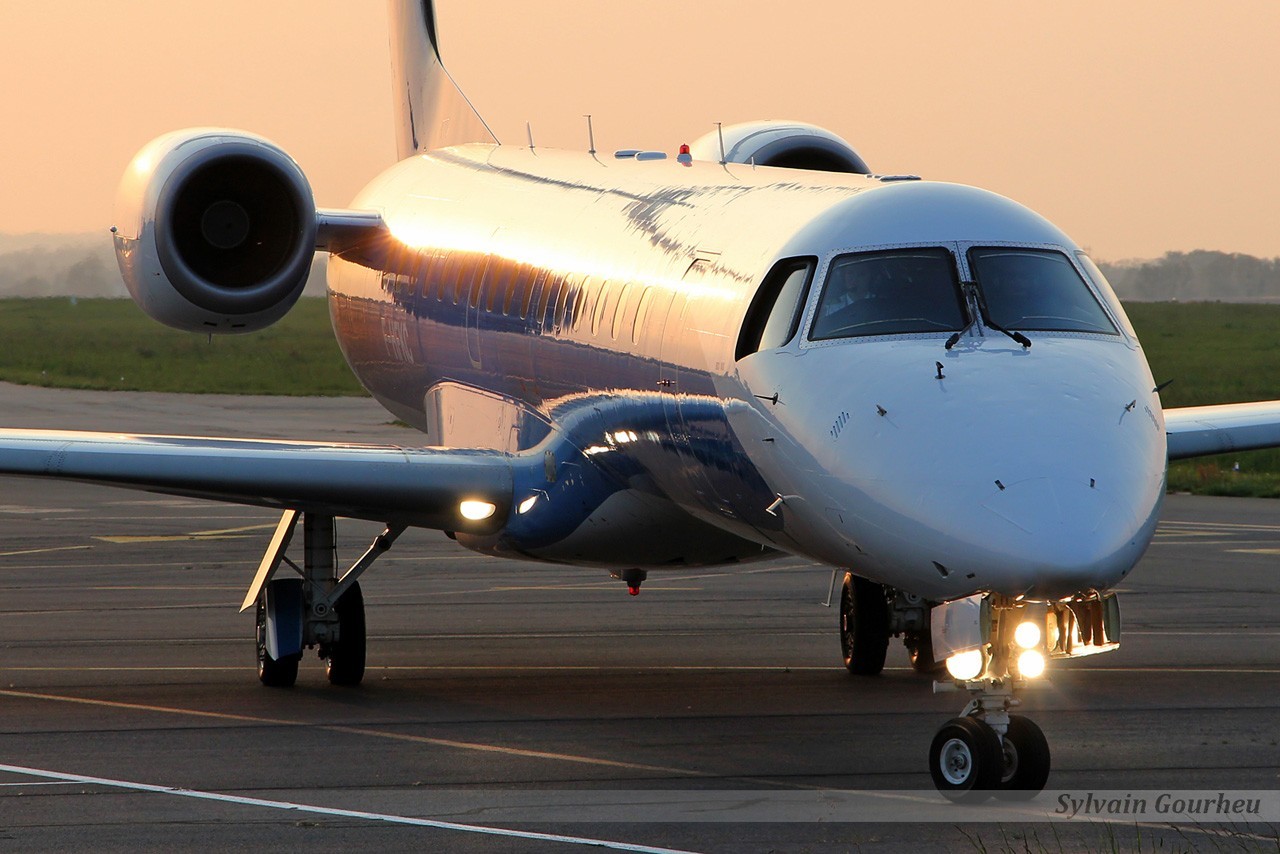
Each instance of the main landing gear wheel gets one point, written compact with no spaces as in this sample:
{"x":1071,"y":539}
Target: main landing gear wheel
{"x":272,"y":673}
{"x":966,"y":761}
{"x":864,"y":625}
{"x":920,"y":651}
{"x":344,"y":658}
{"x":1026,"y":761}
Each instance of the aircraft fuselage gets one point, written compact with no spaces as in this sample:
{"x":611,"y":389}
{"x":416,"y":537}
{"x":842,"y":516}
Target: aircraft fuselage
{"x":584,"y":315}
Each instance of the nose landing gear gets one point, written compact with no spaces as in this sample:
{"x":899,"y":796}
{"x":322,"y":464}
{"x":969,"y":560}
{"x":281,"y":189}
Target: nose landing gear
{"x":987,"y":751}
{"x":994,"y":646}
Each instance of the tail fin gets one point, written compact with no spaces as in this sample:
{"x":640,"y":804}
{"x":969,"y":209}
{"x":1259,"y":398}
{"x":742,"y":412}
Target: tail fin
{"x":431,"y":111}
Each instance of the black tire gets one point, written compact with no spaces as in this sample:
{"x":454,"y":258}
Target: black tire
{"x":965,"y":761}
{"x":920,"y":651}
{"x":344,"y":663}
{"x":272,"y":673}
{"x":864,"y":625}
{"x":1025,"y":767}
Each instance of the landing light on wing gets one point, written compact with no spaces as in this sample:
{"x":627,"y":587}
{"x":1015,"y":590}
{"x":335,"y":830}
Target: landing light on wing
{"x":477,"y":510}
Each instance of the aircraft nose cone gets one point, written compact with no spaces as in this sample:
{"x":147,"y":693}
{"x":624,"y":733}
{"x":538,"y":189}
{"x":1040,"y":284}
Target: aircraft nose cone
{"x":1066,"y":533}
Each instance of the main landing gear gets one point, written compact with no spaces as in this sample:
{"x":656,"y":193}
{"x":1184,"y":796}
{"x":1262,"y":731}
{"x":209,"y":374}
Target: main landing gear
{"x":869,"y":614}
{"x":991,"y":646}
{"x":319,"y":609}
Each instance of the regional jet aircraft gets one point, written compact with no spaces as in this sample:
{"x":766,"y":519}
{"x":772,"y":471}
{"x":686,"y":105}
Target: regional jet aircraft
{"x":644,"y":362}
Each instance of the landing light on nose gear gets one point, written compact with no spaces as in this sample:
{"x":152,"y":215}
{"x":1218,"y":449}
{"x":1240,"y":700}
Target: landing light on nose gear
{"x":994,"y":645}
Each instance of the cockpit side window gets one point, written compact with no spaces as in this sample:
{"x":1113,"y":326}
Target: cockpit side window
{"x":774,"y":314}
{"x":888,"y":293}
{"x":1036,"y":289}
{"x":1103,"y":287}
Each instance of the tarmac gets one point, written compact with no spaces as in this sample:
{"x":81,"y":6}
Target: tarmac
{"x":513,"y":706}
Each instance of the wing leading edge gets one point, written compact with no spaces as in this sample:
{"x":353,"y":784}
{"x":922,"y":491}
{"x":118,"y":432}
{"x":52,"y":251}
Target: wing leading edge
{"x":1196,"y":431}
{"x":422,"y":487}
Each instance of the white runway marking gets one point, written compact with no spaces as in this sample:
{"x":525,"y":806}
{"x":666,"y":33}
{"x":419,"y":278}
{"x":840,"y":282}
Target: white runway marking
{"x":338,"y":813}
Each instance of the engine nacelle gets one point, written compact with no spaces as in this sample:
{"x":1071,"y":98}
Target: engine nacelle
{"x":215,"y":230}
{"x":792,"y":145}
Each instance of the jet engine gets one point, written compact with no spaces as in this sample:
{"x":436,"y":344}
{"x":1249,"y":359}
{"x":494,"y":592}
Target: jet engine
{"x":793,"y":145}
{"x":215,"y":230}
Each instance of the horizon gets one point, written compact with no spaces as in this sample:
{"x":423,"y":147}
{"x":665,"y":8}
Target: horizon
{"x":1139,"y":131}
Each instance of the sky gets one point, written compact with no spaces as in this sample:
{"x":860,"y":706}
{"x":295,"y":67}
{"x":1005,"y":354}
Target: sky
{"x":1138,"y":127}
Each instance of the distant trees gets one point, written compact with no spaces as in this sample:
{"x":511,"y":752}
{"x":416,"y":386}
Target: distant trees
{"x":42,"y":265}
{"x":1198,"y":275}
{"x":82,"y":265}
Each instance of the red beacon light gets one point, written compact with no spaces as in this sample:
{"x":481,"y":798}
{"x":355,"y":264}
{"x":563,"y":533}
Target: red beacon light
{"x":684,"y":157}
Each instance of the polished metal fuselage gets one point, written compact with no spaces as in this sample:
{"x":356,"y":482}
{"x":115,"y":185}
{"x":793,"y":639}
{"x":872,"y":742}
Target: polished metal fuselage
{"x":582,"y":315}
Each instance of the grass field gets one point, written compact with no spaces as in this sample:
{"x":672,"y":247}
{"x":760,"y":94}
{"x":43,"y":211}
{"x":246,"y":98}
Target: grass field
{"x":1213,"y":352}
{"x":111,"y":344}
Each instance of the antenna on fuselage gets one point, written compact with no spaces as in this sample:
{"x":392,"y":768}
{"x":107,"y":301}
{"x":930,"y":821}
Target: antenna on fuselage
{"x":528,"y":129}
{"x":591,"y":136}
{"x":720,"y":134}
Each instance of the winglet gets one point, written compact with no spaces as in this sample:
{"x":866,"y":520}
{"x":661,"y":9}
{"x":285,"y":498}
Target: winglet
{"x":431,"y":111}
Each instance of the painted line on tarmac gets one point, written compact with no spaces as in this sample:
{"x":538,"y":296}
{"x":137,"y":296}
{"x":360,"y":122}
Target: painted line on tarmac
{"x":1225,"y":633}
{"x":240,"y":533}
{"x":43,"y":551}
{"x":350,"y":730}
{"x":451,"y":668}
{"x":1242,"y":526}
{"x":24,"y":510}
{"x":387,"y":818}
{"x":1173,"y":668}
{"x":122,"y":539}
{"x":240,"y":530}
{"x":612,"y":587}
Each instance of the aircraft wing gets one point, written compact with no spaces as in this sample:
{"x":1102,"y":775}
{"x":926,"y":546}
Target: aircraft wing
{"x":1195,"y":431}
{"x":413,"y":486}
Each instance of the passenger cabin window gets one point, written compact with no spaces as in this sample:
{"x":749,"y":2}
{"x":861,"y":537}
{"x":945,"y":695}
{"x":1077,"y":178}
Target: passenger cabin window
{"x":1036,"y":289}
{"x":889,"y":293}
{"x":774,"y":314}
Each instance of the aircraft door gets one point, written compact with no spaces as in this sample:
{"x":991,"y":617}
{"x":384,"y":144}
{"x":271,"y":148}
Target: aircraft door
{"x":475,"y":300}
{"x":679,"y":385}
{"x":669,"y":368}
{"x":477,"y":295}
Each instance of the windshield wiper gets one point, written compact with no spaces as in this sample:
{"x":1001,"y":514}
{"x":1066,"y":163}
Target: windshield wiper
{"x":978,"y":309}
{"x":1016,"y":336}
{"x":955,"y":338}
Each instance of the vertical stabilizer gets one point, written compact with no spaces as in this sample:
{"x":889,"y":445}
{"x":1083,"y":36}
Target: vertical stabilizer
{"x":431,"y":111}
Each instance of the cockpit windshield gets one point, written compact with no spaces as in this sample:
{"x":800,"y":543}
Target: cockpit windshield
{"x":893,"y":292}
{"x":1036,"y":289}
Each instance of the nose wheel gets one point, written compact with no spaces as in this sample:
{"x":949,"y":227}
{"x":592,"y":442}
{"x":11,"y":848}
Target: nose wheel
{"x":965,"y":760}
{"x":1025,"y":760}
{"x":970,"y":759}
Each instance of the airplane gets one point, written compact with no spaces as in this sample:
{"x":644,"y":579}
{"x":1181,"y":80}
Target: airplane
{"x":641,"y":362}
